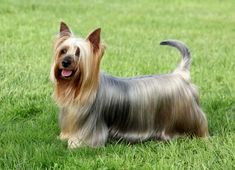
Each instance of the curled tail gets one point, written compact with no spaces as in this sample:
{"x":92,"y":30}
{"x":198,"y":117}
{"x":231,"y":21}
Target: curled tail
{"x":184,"y":66}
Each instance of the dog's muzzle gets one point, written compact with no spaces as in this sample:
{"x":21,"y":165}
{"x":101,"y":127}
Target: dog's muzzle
{"x":67,"y":69}
{"x":66,"y":62}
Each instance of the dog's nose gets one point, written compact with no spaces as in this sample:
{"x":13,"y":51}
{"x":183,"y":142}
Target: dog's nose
{"x":66,"y":62}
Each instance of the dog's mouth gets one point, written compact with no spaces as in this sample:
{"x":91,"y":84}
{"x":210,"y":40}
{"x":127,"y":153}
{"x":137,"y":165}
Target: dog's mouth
{"x":66,"y":73}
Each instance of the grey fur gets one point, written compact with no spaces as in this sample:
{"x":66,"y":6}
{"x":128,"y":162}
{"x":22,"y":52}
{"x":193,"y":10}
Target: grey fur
{"x":141,"y":108}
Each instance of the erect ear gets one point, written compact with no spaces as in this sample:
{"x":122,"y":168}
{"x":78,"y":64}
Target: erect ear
{"x":64,"y":29}
{"x":94,"y":39}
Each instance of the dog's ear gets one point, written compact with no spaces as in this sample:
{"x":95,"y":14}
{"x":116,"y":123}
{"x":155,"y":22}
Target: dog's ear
{"x":94,"y":38}
{"x":64,"y":29}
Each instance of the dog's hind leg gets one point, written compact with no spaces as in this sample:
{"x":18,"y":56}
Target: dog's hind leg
{"x":202,"y":131}
{"x":201,"y":124}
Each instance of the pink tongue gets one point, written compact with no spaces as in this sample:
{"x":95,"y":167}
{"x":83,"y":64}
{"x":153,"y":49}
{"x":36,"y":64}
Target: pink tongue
{"x":66,"y":73}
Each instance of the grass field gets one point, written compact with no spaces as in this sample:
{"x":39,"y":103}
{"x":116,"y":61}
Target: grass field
{"x":132,"y":31}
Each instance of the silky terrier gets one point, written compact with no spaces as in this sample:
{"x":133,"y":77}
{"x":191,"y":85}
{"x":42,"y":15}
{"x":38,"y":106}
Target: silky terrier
{"x":95,"y":106}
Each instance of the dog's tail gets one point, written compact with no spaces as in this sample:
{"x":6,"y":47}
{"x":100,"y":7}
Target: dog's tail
{"x":184,"y":66}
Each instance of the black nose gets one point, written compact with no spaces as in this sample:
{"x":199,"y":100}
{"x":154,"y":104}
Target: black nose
{"x":66,"y":62}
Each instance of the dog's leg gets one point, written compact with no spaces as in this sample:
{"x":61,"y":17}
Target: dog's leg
{"x":75,"y":142}
{"x":64,"y":136}
{"x":94,"y":138}
{"x":202,"y":125}
{"x":202,"y":130}
{"x":164,"y":136}
{"x":67,"y":123}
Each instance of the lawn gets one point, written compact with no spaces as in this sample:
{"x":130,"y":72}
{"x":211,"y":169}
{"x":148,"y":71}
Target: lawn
{"x":132,"y":31}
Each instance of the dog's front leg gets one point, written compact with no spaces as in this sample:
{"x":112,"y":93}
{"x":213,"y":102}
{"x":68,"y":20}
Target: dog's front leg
{"x":64,"y":136}
{"x":94,"y":138}
{"x":75,"y":142}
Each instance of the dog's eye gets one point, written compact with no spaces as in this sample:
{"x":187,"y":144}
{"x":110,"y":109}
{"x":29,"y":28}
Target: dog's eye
{"x":77,"y":52}
{"x":64,"y":51}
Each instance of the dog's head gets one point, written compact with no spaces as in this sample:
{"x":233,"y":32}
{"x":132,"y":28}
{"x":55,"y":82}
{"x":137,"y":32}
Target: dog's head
{"x":76,"y":59}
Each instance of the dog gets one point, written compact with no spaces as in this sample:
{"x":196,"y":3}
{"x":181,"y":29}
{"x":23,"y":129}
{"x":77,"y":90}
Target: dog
{"x":95,"y":106}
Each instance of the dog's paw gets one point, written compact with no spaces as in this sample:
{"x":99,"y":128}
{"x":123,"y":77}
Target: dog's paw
{"x":74,"y":143}
{"x":164,"y":136}
{"x":63,"y":136}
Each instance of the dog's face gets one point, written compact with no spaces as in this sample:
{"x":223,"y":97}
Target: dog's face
{"x":75,"y":59}
{"x":69,"y":57}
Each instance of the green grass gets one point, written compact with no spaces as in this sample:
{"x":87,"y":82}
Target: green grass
{"x":132,"y":31}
